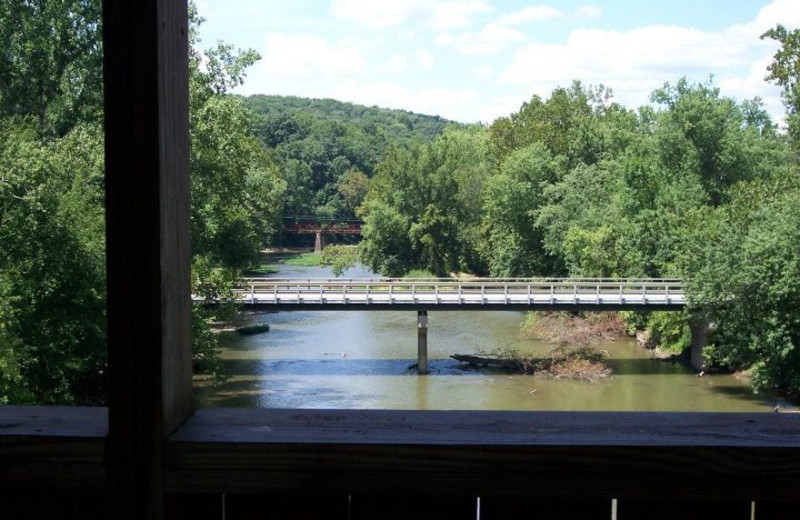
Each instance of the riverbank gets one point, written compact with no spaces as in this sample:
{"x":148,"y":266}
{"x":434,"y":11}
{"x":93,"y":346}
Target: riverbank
{"x":572,"y":329}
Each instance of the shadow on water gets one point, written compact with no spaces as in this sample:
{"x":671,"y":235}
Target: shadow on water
{"x":646,"y":366}
{"x":321,"y":367}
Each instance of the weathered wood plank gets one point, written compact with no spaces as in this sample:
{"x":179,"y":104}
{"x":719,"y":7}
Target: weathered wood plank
{"x":307,"y":506}
{"x":487,"y":453}
{"x":576,"y":508}
{"x":147,"y":221}
{"x":777,"y":510}
{"x":423,"y":507}
{"x":194,"y":506}
{"x":752,"y":430}
{"x":49,"y":505}
{"x":660,"y":509}
{"x":53,"y":421}
{"x":43,"y":447}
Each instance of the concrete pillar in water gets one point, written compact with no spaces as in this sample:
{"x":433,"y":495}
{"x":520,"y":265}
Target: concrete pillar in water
{"x":422,"y":342}
{"x":319,"y":242}
{"x":699,"y":332}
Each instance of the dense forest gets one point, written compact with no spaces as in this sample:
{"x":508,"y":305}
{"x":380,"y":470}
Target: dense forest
{"x":328,"y":150}
{"x":693,"y":185}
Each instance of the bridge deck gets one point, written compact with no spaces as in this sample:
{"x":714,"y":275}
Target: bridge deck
{"x":447,"y":294}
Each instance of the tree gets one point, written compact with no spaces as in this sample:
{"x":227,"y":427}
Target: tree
{"x":749,"y":285}
{"x":785,"y":71}
{"x":511,"y":204}
{"x":424,"y":201}
{"x":52,"y":270}
{"x":51,"y":62}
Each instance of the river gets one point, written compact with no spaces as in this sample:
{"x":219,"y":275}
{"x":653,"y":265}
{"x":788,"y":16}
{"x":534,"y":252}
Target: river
{"x":361,"y":359}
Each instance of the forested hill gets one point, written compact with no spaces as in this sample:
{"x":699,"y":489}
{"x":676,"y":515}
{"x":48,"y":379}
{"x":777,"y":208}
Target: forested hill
{"x":327,"y":150}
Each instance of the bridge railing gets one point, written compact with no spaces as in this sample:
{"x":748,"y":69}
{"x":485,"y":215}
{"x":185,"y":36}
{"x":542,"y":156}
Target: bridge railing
{"x":527,"y":292}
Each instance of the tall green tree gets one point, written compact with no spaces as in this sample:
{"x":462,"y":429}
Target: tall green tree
{"x":422,"y":211}
{"x":51,"y":62}
{"x":785,"y":71}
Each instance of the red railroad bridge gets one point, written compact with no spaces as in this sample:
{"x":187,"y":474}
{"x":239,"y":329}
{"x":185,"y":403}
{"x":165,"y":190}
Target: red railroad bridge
{"x":319,"y":226}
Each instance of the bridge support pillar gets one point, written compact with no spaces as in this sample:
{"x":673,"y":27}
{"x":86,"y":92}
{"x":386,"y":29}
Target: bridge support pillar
{"x":422,"y":342}
{"x":319,"y":242}
{"x":699,"y":332}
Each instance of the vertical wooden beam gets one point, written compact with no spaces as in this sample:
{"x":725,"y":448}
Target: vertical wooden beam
{"x":147,"y":218}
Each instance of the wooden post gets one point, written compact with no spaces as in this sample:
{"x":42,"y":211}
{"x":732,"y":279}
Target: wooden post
{"x":146,"y":78}
{"x":422,"y":342}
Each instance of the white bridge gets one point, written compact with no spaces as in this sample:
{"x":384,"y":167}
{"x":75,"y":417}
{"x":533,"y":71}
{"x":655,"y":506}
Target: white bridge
{"x":425,"y":294}
{"x":471,"y":294}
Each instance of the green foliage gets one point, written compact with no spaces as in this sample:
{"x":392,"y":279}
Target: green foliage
{"x":340,"y":258}
{"x":421,"y":209}
{"x":749,"y":286}
{"x":511,"y":204}
{"x":785,"y":71}
{"x":305,"y":260}
{"x":328,"y":150}
{"x":419,"y":273}
{"x":51,"y":63}
{"x":670,"y":330}
{"x":52,"y":271}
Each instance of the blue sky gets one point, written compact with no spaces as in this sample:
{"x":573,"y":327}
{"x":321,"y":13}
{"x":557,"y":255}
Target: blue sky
{"x":476,"y":60}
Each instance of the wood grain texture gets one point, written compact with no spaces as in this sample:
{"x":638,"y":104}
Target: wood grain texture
{"x":778,"y":510}
{"x":194,"y":506}
{"x":50,"y":505}
{"x":55,"y":448}
{"x":575,"y":508}
{"x":258,"y":425}
{"x":684,"y":510}
{"x":416,"y":507}
{"x":600,"y":455}
{"x":147,"y":199}
{"x":308,"y":506}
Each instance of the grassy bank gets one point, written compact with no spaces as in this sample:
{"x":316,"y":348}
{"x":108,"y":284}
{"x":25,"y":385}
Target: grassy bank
{"x":305,"y":260}
{"x":261,"y":270}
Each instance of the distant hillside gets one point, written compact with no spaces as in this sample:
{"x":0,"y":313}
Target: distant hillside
{"x":400,"y":124}
{"x":328,"y":150}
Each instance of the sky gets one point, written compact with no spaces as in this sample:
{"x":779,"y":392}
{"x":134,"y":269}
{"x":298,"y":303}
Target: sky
{"x":477,"y":60}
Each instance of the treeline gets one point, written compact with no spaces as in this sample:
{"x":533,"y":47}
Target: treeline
{"x":52,"y":232}
{"x":695,"y":185}
{"x":327,"y":150}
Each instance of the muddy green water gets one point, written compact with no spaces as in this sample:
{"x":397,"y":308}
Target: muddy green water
{"x":361,"y":359}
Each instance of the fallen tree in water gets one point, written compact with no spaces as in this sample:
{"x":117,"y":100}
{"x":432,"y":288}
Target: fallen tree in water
{"x":581,"y":363}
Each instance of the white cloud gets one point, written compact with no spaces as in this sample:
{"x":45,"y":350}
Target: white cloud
{"x":785,"y":12}
{"x":589,"y":11}
{"x":446,"y":16}
{"x":635,"y":62}
{"x":304,"y":56}
{"x":436,"y":15}
{"x":378,"y":14}
{"x":492,"y":39}
{"x":484,"y":72}
{"x":398,"y":63}
{"x":530,"y":14}
{"x":752,"y":85}
{"x":424,"y":58}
